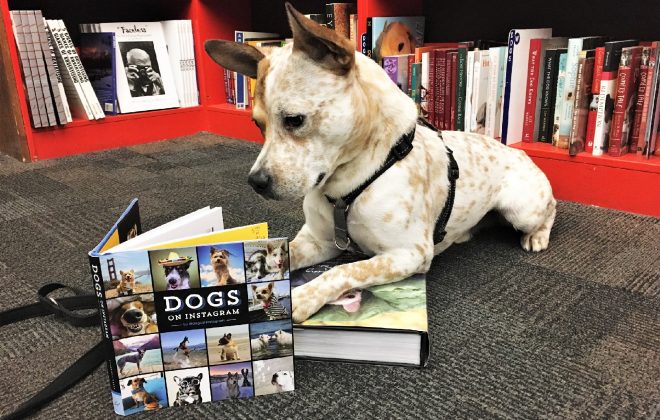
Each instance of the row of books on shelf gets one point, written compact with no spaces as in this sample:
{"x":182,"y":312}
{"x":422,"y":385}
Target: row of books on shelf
{"x":117,"y":68}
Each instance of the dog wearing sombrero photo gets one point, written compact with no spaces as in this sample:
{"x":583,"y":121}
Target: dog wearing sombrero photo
{"x":174,"y":269}
{"x":373,"y":176}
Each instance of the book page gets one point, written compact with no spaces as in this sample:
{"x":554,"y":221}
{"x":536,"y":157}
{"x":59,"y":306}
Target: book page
{"x":243,"y":233}
{"x":202,"y":221}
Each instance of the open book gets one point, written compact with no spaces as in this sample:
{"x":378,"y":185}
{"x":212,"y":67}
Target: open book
{"x":192,"y":312}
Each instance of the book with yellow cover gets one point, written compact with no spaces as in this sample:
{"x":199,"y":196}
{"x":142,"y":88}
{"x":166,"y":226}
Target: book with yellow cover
{"x":385,"y":324}
{"x":192,"y":312}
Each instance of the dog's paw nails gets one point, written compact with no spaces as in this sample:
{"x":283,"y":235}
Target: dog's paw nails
{"x":535,"y":242}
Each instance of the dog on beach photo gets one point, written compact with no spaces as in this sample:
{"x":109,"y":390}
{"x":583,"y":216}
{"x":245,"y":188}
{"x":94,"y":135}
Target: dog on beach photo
{"x":259,"y":343}
{"x":131,"y":358}
{"x":283,"y":338}
{"x":229,"y":348}
{"x":373,"y":176}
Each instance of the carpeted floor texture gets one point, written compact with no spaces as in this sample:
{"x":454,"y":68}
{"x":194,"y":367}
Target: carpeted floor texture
{"x":573,"y":332}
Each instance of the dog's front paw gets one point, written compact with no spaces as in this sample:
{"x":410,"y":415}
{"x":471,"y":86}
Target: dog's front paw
{"x":535,"y":242}
{"x":304,"y":304}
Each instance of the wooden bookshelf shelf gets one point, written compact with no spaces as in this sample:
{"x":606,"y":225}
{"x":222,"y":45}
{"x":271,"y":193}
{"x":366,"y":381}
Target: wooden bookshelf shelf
{"x":626,"y":183}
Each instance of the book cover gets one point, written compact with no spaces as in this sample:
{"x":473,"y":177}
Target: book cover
{"x":641,"y":99}
{"x":516,"y":77}
{"x":431,"y":95}
{"x":190,"y":325}
{"x":44,"y":95}
{"x":479,"y":92}
{"x":391,"y":66}
{"x":595,"y":97}
{"x":575,"y":46}
{"x":549,"y":93}
{"x":439,"y":88}
{"x":497,"y":56}
{"x":177,"y":59}
{"x":396,"y":35}
{"x":582,"y":100}
{"x":461,"y":75}
{"x":652,"y":116}
{"x":396,"y":308}
{"x":561,"y":75}
{"x":469,"y":83}
{"x":241,"y":81}
{"x":626,"y":89}
{"x":453,"y":57}
{"x":337,"y":17}
{"x":416,"y":71}
{"x":607,"y":93}
{"x":424,"y":85}
{"x":446,"y":115}
{"x":97,"y":53}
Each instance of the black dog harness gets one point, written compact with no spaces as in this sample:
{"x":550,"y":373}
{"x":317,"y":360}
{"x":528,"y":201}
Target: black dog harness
{"x":400,"y":150}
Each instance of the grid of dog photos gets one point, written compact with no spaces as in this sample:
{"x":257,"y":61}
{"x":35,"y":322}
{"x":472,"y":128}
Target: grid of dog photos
{"x":199,"y":324}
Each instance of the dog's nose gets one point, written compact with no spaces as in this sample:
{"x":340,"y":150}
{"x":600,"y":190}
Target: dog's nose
{"x":133,"y":315}
{"x":261,"y":182}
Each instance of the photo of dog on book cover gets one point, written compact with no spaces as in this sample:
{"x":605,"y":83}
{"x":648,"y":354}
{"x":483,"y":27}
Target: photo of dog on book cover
{"x":143,"y":393}
{"x":220,"y":265}
{"x":137,"y":355}
{"x":273,"y":376}
{"x":126,"y":274}
{"x":183,"y":349}
{"x":267,"y":260}
{"x":231,"y":381}
{"x":188,"y":386}
{"x":228,"y":344}
{"x":269,"y":301}
{"x":174,"y":269}
{"x":271,"y":339}
{"x":132,"y":315}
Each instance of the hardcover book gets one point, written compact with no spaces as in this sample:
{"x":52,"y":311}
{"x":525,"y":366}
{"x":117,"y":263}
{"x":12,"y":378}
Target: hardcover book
{"x":652,"y":122}
{"x":626,"y":91}
{"x":54,"y":77}
{"x":337,"y":17}
{"x":561,"y":77}
{"x":595,"y":97}
{"x":497,"y":57}
{"x":479,"y":92}
{"x":97,"y":53}
{"x":193,"y":319}
{"x":395,"y":35}
{"x":582,"y":100}
{"x":549,"y":93}
{"x":640,"y":102}
{"x":385,"y":324}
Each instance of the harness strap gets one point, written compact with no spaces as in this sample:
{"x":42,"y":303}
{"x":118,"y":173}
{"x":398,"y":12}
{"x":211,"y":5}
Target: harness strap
{"x":453,"y":174}
{"x":63,"y":308}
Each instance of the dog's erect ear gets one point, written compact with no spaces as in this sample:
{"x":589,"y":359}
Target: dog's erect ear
{"x":212,"y":250}
{"x":269,"y":247}
{"x":200,"y":376}
{"x":130,"y":382}
{"x":325,"y":46}
{"x":143,"y":381}
{"x":254,"y":288}
{"x":121,"y":273}
{"x":176,"y":380}
{"x":270,"y":287}
{"x":242,"y":58}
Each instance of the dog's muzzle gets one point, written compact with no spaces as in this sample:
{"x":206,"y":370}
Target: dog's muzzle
{"x":262,"y":183}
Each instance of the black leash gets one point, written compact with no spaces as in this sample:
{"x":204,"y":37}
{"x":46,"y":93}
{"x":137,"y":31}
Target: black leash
{"x":63,"y":308}
{"x":399,"y":151}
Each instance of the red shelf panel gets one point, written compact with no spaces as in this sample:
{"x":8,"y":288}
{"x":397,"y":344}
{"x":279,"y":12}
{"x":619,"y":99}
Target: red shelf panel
{"x":626,"y":183}
{"x":226,"y":120}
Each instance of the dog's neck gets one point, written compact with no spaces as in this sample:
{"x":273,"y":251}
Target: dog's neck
{"x":383,"y":114}
{"x":222,"y":273}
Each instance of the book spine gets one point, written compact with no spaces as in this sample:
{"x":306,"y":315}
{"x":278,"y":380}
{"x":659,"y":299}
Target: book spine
{"x":368,"y":43}
{"x":352,"y":29}
{"x":390,"y":65}
{"x":593,"y":106}
{"x":561,"y":76}
{"x":37,"y":77}
{"x":37,"y":55}
{"x":531,"y":90}
{"x":424,"y":86}
{"x":447,"y":86}
{"x":19,"y":36}
{"x":441,"y":79}
{"x":452,"y":93}
{"x":507,"y":85}
{"x":654,"y":134}
{"x":239,"y":84}
{"x":654,"y":82}
{"x":642,"y":143}
{"x":461,"y":74}
{"x":548,"y":96}
{"x":640,"y":100}
{"x":581,"y":108}
{"x":78,"y":104}
{"x":430,"y":93}
{"x":568,"y":94}
{"x":99,"y":291}
{"x":500,"y":92}
{"x":54,"y":77}
{"x":476,"y":92}
{"x":626,"y":81}
{"x":90,"y":95}
{"x":415,"y":71}
{"x":491,"y":98}
{"x":330,"y":16}
{"x":411,"y":61}
{"x":469,"y":81}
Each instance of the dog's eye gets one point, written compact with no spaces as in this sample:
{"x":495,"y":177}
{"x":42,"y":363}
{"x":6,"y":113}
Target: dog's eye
{"x":291,"y":122}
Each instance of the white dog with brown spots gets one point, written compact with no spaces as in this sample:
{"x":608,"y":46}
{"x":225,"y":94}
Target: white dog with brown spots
{"x":330,"y":117}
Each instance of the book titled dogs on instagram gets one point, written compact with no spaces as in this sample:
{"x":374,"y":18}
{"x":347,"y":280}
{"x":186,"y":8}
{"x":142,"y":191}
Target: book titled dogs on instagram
{"x":192,"y":312}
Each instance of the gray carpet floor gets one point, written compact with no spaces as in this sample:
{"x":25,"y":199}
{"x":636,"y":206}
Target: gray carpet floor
{"x":573,"y":332}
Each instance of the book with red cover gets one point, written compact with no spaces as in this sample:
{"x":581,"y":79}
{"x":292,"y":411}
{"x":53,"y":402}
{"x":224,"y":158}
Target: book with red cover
{"x":431,"y":89}
{"x":583,"y":96}
{"x":593,"y":105}
{"x":440,"y":81}
{"x":624,"y":103}
{"x":640,"y":102}
{"x":452,"y":96}
{"x":650,"y":115}
{"x":447,"y":87}
{"x":531,"y":90}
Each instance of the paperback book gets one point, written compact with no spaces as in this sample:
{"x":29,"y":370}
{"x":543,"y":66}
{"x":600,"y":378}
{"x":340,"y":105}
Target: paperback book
{"x":395,"y":35}
{"x":97,"y":53}
{"x":384,"y":324}
{"x":192,"y":312}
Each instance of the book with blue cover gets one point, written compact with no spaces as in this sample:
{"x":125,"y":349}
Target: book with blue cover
{"x":97,"y":53}
{"x":195,"y":317}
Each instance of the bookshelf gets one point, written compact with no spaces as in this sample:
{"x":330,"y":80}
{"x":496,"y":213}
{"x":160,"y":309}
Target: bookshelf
{"x":626,"y":183}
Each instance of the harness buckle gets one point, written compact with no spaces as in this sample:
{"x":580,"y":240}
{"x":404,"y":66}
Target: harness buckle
{"x":345,"y":245}
{"x":402,"y":149}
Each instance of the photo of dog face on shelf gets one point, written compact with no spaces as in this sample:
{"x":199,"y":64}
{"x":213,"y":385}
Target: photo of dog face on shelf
{"x":126,"y":274}
{"x":220,"y":265}
{"x":188,"y":386}
{"x":174,"y":269}
{"x":143,"y":393}
{"x":271,"y":339}
{"x":231,"y":381}
{"x":183,"y":349}
{"x":132,"y":315}
{"x":273,"y":376}
{"x":228,"y":344}
{"x":137,"y":355}
{"x":267,"y":260}
{"x":269,"y":301}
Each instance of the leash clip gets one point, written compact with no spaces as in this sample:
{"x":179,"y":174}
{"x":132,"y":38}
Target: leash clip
{"x":344,"y":246}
